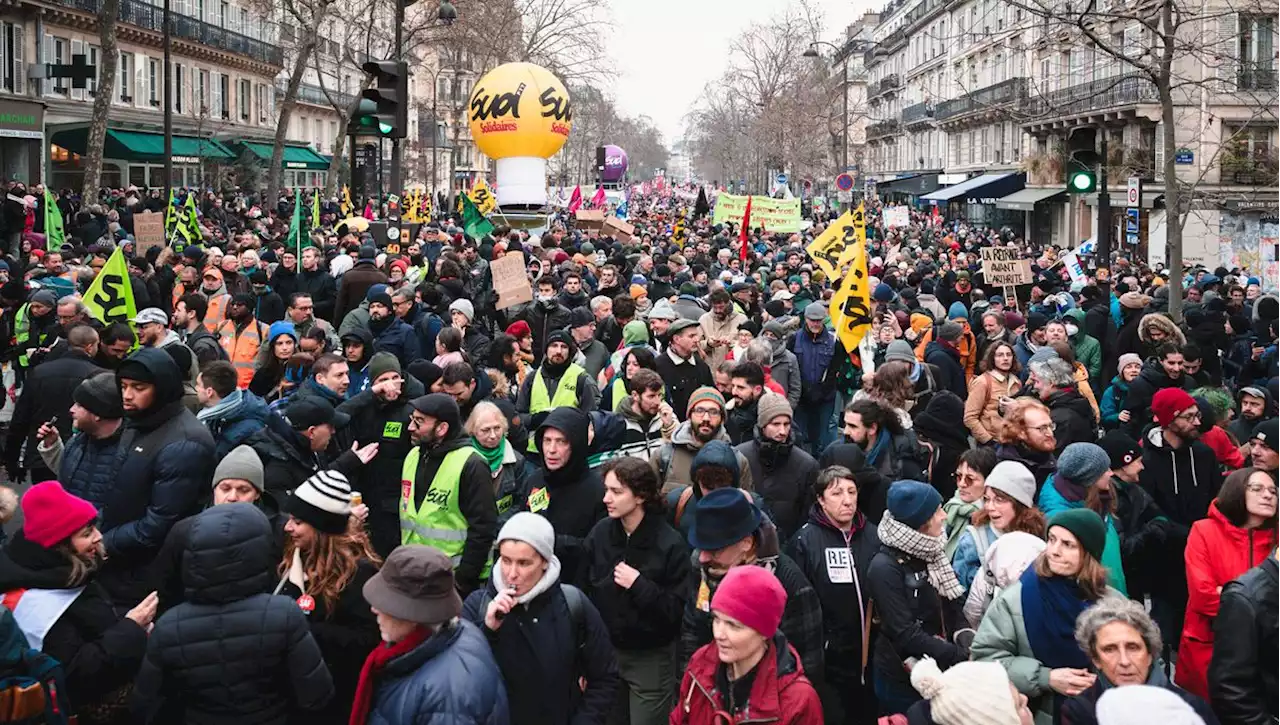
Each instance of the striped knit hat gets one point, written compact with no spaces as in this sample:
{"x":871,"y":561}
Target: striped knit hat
{"x":324,"y":501}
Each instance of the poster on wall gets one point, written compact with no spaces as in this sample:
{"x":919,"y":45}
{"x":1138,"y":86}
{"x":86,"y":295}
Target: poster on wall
{"x":1249,"y":240}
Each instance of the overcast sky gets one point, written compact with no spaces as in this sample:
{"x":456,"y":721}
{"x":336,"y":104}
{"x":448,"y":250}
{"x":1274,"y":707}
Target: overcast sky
{"x":666,"y":50}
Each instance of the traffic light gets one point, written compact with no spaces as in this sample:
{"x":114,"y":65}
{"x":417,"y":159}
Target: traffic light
{"x":384,"y":109}
{"x":1082,"y":161}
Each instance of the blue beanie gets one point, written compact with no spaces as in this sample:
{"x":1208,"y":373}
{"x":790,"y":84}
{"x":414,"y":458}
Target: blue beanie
{"x":1253,"y":280}
{"x":281,"y":328}
{"x":716,"y":453}
{"x":374,"y":291}
{"x":913,"y":503}
{"x":883,"y":293}
{"x":957,"y":311}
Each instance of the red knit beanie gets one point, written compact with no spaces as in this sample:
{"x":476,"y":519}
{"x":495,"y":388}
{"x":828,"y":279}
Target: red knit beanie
{"x":752,"y":595}
{"x":51,"y":515}
{"x":1168,"y":402}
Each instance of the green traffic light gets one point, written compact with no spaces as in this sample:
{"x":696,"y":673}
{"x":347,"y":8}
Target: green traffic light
{"x":385,"y":128}
{"x":1081,"y":182}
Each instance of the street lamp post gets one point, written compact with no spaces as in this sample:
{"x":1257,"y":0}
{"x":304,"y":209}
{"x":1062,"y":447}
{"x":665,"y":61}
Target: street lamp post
{"x":812,"y":52}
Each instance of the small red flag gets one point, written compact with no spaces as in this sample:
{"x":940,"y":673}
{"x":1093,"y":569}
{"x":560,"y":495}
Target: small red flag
{"x":575,"y":201}
{"x":742,"y":233}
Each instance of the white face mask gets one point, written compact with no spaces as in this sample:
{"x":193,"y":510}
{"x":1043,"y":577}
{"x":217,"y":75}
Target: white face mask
{"x":1072,"y":330}
{"x":546,"y":298}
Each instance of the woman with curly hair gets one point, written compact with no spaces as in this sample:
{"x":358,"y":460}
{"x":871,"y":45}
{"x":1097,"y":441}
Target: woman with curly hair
{"x":1008,"y":504}
{"x":327,"y":560}
{"x":997,"y":385}
{"x":892,"y":388}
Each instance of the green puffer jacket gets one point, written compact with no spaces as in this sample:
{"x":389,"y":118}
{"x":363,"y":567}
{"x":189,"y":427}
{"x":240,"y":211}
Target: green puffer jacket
{"x":1002,"y":638}
{"x":1087,"y":349}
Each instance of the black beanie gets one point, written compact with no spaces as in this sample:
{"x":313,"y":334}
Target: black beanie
{"x":100,"y":395}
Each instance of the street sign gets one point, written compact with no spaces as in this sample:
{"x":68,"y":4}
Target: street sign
{"x":78,"y":70}
{"x":844,"y":197}
{"x":1131,"y":221}
{"x":782,"y":179}
{"x":844,"y":182}
{"x":1135,"y":191}
{"x":1184,"y":157}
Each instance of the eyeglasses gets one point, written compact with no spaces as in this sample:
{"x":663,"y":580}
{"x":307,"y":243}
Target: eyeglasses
{"x":1261,"y":489}
{"x":1046,"y":429}
{"x":705,"y":412}
{"x":493,"y":430}
{"x":1189,"y":416}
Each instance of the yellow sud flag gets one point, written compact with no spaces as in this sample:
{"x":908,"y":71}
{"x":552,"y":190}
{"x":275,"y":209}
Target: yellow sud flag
{"x":678,"y":233}
{"x":345,"y":204}
{"x":851,"y":305}
{"x":412,"y":206}
{"x":110,"y":297}
{"x":482,"y":197}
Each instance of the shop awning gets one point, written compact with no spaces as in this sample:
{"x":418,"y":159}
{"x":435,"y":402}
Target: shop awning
{"x":978,"y":190}
{"x":294,"y":157}
{"x":914,"y":184}
{"x":1027,"y":199}
{"x":144,"y":146}
{"x":1150,"y":199}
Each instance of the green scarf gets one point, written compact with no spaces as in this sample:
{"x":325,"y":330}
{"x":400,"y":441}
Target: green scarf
{"x":492,"y":456}
{"x":958,"y":515}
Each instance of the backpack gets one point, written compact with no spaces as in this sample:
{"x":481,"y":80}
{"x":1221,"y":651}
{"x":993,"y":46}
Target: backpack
{"x":211,"y":346}
{"x":32,"y":684}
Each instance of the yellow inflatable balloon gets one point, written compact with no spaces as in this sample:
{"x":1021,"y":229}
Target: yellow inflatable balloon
{"x":520,"y":109}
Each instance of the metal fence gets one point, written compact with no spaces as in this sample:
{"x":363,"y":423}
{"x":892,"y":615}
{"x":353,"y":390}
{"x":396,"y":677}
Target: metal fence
{"x":1003,"y":93}
{"x":151,"y":17}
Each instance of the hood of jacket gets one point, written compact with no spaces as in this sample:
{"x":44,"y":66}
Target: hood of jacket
{"x":1158,"y":321}
{"x":251,"y":407}
{"x":163,"y":371}
{"x":228,"y":554}
{"x":573,"y":424}
{"x":1070,"y":399}
{"x":937,"y":422}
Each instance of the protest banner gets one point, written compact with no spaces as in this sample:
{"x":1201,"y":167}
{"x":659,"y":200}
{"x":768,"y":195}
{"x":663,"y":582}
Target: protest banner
{"x":896,"y":216}
{"x":851,"y":306}
{"x":511,"y":281}
{"x":1005,"y":267}
{"x":148,"y":231}
{"x":774,"y":215}
{"x":110,"y":297}
{"x":1072,"y":263}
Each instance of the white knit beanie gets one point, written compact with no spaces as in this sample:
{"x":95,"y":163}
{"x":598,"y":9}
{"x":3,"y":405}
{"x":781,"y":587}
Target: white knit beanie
{"x":324,"y":501}
{"x":969,"y":693}
{"x":1142,"y":704}
{"x":532,"y":529}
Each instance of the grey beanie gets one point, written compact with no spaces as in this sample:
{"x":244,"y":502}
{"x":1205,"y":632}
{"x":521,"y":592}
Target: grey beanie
{"x":950,"y":331}
{"x":1044,"y":354}
{"x":533,"y":530}
{"x":775,"y":328}
{"x":465,"y":307}
{"x":1083,"y":463}
{"x":771,"y":406}
{"x":900,"y":350}
{"x":382,"y":363}
{"x":46,"y":297}
{"x":241,"y":463}
{"x":815,"y":311}
{"x":1015,"y":481}
{"x":100,"y":395}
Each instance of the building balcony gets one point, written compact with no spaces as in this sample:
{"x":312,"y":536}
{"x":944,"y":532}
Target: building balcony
{"x":185,"y":27}
{"x":882,"y":129}
{"x":891,"y":82}
{"x":994,"y":99}
{"x":315,"y":96}
{"x":1254,"y":78}
{"x":1096,"y":95}
{"x":918,"y":114}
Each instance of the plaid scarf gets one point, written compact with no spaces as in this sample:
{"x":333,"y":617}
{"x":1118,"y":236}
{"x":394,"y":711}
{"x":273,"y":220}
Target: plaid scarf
{"x":930,"y":549}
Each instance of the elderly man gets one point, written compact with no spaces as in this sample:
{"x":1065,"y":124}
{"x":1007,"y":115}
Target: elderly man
{"x":1123,"y":643}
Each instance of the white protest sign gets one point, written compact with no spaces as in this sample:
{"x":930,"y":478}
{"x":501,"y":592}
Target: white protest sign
{"x":1005,"y":267}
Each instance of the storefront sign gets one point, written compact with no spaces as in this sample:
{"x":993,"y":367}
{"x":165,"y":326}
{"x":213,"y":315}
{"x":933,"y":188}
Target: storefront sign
{"x":20,"y":119}
{"x":295,"y":165}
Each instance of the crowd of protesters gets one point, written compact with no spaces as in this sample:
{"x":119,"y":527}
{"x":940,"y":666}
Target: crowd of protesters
{"x":321,"y":482}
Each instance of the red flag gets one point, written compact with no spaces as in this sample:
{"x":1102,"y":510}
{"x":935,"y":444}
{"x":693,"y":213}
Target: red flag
{"x":597,"y":200}
{"x":742,"y":233}
{"x":368,"y":211}
{"x":575,"y":201}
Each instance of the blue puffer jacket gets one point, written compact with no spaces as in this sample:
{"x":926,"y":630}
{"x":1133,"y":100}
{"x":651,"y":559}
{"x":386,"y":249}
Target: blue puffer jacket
{"x":232,"y":427}
{"x":450,"y":679}
{"x":397,"y":338}
{"x":88,"y":467}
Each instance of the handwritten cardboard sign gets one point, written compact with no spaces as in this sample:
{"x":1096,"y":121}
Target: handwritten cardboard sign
{"x":148,"y":231}
{"x":511,"y":281}
{"x":1005,"y":267}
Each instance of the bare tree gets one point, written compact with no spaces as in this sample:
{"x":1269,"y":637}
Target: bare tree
{"x":108,"y":59}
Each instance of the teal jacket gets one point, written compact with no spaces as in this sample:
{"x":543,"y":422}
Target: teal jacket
{"x":1051,"y":502}
{"x":1087,"y":349}
{"x":1112,"y":402}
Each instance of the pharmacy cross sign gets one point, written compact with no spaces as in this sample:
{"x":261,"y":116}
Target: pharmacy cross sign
{"x":79,"y":71}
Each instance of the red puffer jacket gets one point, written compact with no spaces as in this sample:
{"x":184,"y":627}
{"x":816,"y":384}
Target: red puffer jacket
{"x":1218,"y":551}
{"x":781,"y":693}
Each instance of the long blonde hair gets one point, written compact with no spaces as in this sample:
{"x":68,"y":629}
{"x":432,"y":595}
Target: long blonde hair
{"x":332,"y":562}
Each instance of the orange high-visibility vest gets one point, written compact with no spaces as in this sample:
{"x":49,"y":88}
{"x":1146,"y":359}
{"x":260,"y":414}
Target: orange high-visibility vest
{"x":242,"y":348}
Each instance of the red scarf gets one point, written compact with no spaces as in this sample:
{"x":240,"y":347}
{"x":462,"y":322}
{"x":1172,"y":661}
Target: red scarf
{"x":377,"y":659}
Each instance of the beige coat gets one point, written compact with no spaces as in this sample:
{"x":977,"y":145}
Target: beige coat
{"x":982,"y":409}
{"x":713,"y":329}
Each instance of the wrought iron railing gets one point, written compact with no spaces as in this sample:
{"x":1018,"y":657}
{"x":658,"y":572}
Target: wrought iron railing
{"x":151,"y":17}
{"x":1097,"y":94}
{"x":1001,"y":94}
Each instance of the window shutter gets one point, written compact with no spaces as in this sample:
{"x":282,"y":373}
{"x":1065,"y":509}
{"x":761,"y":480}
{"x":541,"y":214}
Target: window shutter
{"x":1228,"y":51}
{"x":1160,"y":152}
{"x":77,"y":48}
{"x":19,"y":60}
{"x":140,"y":65}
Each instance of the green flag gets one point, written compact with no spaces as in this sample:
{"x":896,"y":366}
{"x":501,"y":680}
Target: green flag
{"x":295,"y":226}
{"x":170,"y":214}
{"x":54,"y":235}
{"x":193,"y":233}
{"x":473,"y":222}
{"x":315,"y":209}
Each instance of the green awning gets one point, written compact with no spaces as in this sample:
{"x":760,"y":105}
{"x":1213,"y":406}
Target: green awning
{"x":144,"y":146}
{"x":295,"y":157}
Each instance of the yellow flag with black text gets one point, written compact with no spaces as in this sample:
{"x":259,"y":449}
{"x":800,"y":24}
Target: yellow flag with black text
{"x":483,"y":197}
{"x":110,"y":297}
{"x":851,"y":305}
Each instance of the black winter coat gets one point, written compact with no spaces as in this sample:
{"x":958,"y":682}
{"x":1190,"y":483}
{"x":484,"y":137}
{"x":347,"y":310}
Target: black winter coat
{"x":542,"y":656}
{"x":168,"y":465}
{"x":544,"y":318}
{"x":1143,"y":529}
{"x":89,"y":466}
{"x":355,"y":286}
{"x":646,"y":616}
{"x":947,"y":362}
{"x":323,"y":290}
{"x":99,"y":649}
{"x":783,"y":475}
{"x":395,"y":336}
{"x":1142,"y":390}
{"x":287,"y":459}
{"x":912,"y":616}
{"x":1072,"y":418}
{"x":845,"y":614}
{"x":46,"y":394}
{"x":1242,"y":673}
{"x":231,"y":653}
{"x":346,"y":635}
